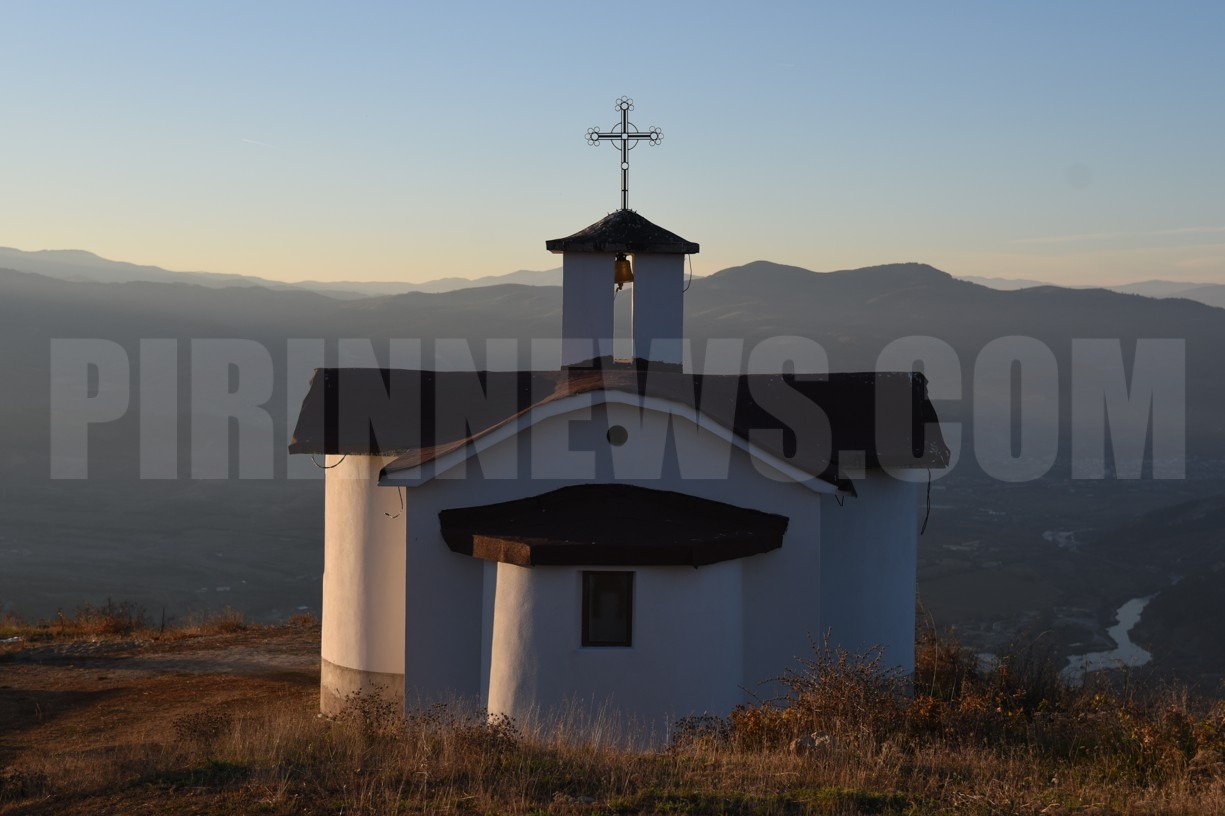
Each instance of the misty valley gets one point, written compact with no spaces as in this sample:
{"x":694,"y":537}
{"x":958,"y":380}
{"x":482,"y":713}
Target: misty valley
{"x":1049,"y":560}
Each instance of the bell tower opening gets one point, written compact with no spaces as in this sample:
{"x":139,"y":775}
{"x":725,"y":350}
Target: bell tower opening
{"x":623,"y":316}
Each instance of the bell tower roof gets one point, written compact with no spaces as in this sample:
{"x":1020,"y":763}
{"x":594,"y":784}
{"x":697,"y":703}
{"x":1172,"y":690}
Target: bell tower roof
{"x":623,"y":231}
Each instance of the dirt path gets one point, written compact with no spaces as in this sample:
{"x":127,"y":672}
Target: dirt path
{"x":68,"y":701}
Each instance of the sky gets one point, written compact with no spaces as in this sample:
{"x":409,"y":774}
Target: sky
{"x":1073,"y":143}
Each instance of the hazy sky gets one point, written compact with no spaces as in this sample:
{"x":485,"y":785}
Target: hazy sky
{"x":1071,"y":142}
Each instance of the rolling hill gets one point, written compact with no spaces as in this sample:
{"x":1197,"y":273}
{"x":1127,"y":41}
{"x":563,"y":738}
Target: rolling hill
{"x":987,"y":563}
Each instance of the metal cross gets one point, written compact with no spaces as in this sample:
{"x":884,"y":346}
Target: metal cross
{"x":625,"y":134}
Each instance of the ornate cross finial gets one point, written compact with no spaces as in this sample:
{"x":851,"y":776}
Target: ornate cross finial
{"x":627,"y":136}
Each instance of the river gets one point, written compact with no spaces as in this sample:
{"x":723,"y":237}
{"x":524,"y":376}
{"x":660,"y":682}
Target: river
{"x":1125,"y":654}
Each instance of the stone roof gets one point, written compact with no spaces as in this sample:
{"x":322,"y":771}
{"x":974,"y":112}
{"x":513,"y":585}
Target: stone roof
{"x":623,"y":231}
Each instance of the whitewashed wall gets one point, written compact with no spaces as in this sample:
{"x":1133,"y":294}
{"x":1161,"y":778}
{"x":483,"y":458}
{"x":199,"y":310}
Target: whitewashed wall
{"x":686,"y":655}
{"x":659,"y":307}
{"x":869,"y":556}
{"x":363,"y":583}
{"x":587,"y":306}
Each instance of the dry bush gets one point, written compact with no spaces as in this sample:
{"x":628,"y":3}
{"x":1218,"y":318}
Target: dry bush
{"x":850,"y":694}
{"x":942,"y":665}
{"x":10,"y":624}
{"x":763,"y":726}
{"x":304,"y":620}
{"x":1012,"y":737}
{"x":223,"y":622}
{"x":460,"y":729}
{"x":200,"y":624}
{"x":703,"y":731}
{"x":1141,"y":732}
{"x":123,"y":618}
{"x":373,"y":714}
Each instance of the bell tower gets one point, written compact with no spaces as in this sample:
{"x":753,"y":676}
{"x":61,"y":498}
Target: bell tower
{"x":623,"y":247}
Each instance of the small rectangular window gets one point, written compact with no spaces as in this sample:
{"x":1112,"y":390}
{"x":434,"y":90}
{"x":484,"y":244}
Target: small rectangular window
{"x":608,"y":608}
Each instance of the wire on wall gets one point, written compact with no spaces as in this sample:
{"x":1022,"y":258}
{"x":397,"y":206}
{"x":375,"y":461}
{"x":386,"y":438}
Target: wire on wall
{"x":927,"y":515}
{"x":400,"y":493}
{"x":328,"y":467}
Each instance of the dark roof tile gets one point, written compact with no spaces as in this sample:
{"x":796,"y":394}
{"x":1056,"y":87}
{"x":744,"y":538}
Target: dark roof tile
{"x":623,"y":231}
{"x":422,"y":415}
{"x":611,"y":525}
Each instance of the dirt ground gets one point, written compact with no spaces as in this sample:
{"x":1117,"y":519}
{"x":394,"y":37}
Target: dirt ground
{"x":63,"y":702}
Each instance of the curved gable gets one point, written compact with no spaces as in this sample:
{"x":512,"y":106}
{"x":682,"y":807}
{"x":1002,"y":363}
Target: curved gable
{"x":418,"y":467}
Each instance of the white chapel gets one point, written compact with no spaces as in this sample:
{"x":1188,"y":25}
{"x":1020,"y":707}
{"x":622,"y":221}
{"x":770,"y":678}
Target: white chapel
{"x":621,"y":533}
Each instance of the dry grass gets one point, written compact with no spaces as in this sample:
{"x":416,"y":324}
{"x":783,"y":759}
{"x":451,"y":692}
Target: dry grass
{"x":955,"y":741}
{"x":288,"y":760}
{"x":126,"y":620}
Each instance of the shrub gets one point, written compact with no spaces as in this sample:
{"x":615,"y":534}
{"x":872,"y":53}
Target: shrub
{"x":763,"y":726}
{"x":303,"y":620}
{"x":702,"y":731}
{"x":121,"y":618}
{"x":227,"y":620}
{"x":466,"y":729}
{"x":374,"y":714}
{"x":942,"y":665}
{"x":846,"y":693}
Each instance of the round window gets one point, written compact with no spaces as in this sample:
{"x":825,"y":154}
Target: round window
{"x":617,"y":435}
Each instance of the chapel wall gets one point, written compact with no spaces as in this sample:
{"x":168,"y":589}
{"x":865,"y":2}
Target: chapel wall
{"x":870,"y":557}
{"x":362,"y":645}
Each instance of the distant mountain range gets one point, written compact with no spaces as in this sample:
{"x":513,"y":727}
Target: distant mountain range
{"x":1212,"y":294}
{"x":78,"y":265}
{"x":853,"y":314}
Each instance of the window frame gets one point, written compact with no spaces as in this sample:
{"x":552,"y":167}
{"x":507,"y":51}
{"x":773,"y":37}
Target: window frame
{"x":585,"y":610}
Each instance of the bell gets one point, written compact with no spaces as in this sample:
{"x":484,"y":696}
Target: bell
{"x":623,"y":271}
